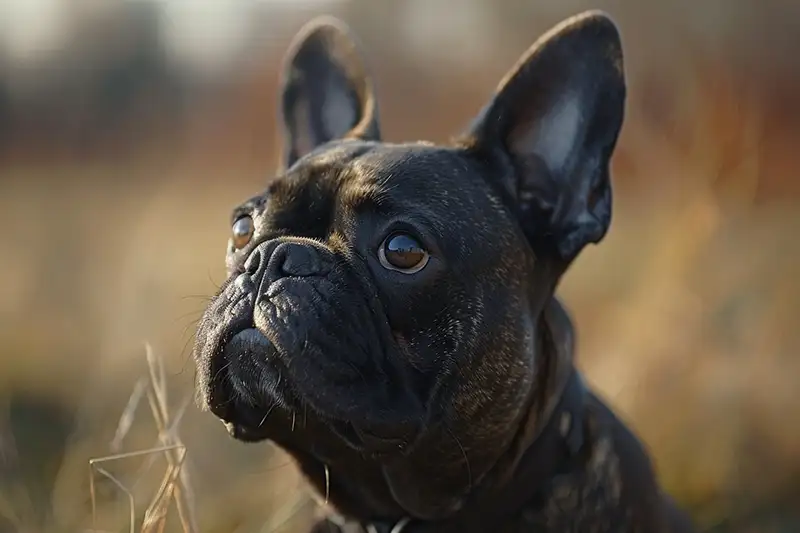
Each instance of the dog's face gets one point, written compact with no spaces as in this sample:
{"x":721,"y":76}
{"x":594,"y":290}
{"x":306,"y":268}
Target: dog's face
{"x":381,"y":309}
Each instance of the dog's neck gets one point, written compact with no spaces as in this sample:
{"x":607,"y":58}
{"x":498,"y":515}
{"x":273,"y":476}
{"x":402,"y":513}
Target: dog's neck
{"x":548,"y":435}
{"x":555,"y":368}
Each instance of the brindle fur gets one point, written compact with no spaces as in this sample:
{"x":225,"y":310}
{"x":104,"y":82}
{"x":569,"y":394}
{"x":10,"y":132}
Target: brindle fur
{"x":445,"y":400}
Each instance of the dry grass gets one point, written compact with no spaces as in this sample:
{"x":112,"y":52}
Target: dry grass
{"x":175,"y":487}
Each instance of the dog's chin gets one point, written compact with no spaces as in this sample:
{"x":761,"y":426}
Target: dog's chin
{"x":255,"y":372}
{"x":262,"y":398}
{"x":242,"y":385}
{"x":246,"y":433}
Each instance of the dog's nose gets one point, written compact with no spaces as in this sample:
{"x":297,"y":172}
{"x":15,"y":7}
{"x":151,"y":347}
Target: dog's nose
{"x":258,"y":258}
{"x":288,"y":258}
{"x":295,"y":259}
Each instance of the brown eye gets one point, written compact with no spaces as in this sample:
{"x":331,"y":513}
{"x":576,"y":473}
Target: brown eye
{"x":242,"y":232}
{"x":403,"y":253}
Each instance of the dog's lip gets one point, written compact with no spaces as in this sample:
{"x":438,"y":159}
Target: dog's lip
{"x":362,"y":437}
{"x":257,"y":369}
{"x":240,"y":337}
{"x":364,"y":441}
{"x":382,"y":444}
{"x":247,"y":335}
{"x":375,"y":442}
{"x":246,"y":331}
{"x":242,"y":432}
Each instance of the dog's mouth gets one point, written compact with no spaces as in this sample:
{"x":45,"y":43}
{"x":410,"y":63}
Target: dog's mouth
{"x":292,"y":334}
{"x":376,"y":443}
{"x":238,"y":378}
{"x":254,"y":394}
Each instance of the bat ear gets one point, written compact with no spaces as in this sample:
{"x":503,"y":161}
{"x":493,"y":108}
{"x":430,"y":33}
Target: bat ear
{"x":327,"y":93}
{"x":555,"y":118}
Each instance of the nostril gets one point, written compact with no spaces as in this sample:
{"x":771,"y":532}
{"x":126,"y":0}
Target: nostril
{"x":276,"y":259}
{"x":296,"y":259}
{"x":254,"y":261}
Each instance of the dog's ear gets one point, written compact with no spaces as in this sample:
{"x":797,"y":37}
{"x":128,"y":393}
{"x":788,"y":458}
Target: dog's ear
{"x":327,"y":92}
{"x":550,"y":130}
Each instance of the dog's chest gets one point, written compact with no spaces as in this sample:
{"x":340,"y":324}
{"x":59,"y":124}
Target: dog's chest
{"x":587,"y":500}
{"x":590,"y":498}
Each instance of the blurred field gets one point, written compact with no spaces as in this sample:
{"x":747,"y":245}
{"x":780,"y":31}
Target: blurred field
{"x":121,"y":153}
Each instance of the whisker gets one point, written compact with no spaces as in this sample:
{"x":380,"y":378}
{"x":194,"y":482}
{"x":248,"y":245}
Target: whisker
{"x":211,"y":280}
{"x":221,"y":369}
{"x":267,"y":415}
{"x":185,"y":354}
{"x":327,"y":484}
{"x":195,"y":315}
{"x":464,"y":453}
{"x":204,"y":297}
{"x":191,"y":323}
{"x":269,"y":469}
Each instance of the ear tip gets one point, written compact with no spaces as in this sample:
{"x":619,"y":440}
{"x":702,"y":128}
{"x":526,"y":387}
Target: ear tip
{"x":593,"y":31}
{"x":326,"y":34}
{"x":593,"y":23}
{"x":595,"y":16}
{"x":323,"y":24}
{"x":592,"y":18}
{"x":322,"y":28}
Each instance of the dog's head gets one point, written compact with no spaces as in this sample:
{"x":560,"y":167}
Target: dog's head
{"x":383,"y":302}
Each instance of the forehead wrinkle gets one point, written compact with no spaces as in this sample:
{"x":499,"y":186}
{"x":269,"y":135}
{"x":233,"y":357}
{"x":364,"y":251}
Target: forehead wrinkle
{"x":417,"y":183}
{"x":385,"y":179}
{"x":368,"y":196}
{"x":360,"y":194}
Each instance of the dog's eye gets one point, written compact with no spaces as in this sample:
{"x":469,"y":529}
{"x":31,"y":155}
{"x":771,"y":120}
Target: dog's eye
{"x":403,"y":253}
{"x":242,"y":232}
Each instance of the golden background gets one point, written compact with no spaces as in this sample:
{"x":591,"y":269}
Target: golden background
{"x":129,"y":129}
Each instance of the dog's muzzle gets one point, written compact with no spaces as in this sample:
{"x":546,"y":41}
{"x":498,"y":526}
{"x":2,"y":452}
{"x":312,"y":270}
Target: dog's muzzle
{"x":234,"y":344}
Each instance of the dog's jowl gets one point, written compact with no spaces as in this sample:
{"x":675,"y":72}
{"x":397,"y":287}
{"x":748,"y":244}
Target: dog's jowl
{"x":389,"y":316}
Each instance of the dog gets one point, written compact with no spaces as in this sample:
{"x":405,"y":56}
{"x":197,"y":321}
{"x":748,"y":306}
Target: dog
{"x":389,"y":317}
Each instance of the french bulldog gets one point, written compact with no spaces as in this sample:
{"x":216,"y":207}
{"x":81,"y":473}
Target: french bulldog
{"x":389,"y":317}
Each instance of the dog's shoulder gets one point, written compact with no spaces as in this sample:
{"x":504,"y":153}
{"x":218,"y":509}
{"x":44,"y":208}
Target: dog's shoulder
{"x":609,"y":487}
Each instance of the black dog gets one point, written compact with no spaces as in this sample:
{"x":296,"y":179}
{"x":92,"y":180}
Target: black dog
{"x":389,"y":317}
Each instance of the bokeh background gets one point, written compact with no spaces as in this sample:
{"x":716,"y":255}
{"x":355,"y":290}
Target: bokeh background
{"x":129,"y":129}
